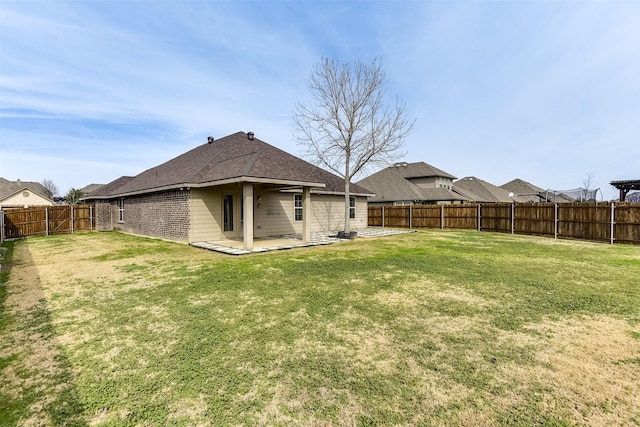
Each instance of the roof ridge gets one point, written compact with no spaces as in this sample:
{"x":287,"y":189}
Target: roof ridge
{"x":214,"y":153}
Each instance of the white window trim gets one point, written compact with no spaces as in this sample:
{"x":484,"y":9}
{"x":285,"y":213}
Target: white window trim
{"x":352,"y":209}
{"x":296,"y":208}
{"x":121,"y":210}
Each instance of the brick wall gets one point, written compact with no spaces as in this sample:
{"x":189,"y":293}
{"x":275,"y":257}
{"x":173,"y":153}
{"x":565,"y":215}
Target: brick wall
{"x":104,"y":215}
{"x":164,"y":215}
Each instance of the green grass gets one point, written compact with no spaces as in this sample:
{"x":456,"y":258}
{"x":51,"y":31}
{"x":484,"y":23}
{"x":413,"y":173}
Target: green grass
{"x":430,"y":328}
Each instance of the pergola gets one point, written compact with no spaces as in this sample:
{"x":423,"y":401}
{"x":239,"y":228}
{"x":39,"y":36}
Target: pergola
{"x":626,"y":186}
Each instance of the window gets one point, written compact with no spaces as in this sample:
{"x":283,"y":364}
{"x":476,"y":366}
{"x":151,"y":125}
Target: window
{"x":227,"y":210}
{"x":120,"y":210}
{"x":297,"y":207}
{"x":352,"y":207}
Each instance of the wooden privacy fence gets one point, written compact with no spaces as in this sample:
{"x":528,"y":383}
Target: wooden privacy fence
{"x":607,"y":222}
{"x":45,"y":220}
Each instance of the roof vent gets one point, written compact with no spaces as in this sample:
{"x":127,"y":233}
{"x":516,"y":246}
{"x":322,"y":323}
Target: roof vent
{"x":209,"y":140}
{"x":250,"y":136}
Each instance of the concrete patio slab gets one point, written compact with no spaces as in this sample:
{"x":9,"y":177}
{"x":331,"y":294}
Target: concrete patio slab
{"x":290,"y":241}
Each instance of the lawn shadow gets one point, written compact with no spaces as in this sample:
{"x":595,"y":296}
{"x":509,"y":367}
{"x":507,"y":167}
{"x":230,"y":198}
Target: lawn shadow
{"x":36,"y":377}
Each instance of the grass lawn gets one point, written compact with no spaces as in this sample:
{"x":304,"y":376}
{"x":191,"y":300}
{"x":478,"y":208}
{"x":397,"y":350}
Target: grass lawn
{"x":431,"y":328}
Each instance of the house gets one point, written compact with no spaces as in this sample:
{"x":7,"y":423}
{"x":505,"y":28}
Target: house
{"x":527,"y":192}
{"x":23,"y":194}
{"x":409,"y":184}
{"x":236,"y":187}
{"x":478,"y":191}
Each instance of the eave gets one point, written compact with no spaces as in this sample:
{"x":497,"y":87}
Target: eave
{"x":236,"y":180}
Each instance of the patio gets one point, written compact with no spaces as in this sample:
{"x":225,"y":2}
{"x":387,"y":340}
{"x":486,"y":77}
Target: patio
{"x":289,"y":241}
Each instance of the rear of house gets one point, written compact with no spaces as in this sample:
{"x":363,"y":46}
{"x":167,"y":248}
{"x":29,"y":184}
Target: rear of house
{"x":237,"y":187}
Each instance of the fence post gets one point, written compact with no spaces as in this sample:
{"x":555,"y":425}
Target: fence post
{"x":441,"y":217}
{"x":478,"y":215}
{"x":46,"y":218}
{"x":1,"y":226}
{"x":613,"y":213}
{"x":513,"y":214}
{"x":410,"y":215}
{"x":383,"y":217}
{"x":90,"y":217}
{"x":72,"y":209}
{"x":555,"y":221}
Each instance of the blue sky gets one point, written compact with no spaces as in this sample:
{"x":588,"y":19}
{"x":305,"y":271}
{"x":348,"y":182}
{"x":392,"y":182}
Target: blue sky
{"x":546,"y":91}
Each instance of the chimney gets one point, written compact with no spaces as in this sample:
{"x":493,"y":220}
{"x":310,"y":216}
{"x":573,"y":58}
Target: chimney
{"x":250,"y":136}
{"x":209,"y":140}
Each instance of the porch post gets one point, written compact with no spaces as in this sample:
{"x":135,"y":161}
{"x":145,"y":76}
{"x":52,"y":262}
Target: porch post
{"x":306,"y":214}
{"x":247,"y":228}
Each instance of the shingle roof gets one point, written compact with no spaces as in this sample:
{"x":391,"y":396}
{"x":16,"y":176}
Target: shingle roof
{"x":419,"y":170}
{"x":232,"y":158}
{"x":482,"y":191}
{"x":393,"y":184}
{"x":88,"y":189}
{"x":8,"y":188}
{"x":524,"y":190}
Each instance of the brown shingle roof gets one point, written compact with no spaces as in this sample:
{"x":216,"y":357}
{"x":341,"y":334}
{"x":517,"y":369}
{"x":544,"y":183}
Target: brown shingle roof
{"x":234,"y":157}
{"x":524,"y":190}
{"x":393,"y":184}
{"x":482,"y":191}
{"x":8,"y":188}
{"x":420,"y":170}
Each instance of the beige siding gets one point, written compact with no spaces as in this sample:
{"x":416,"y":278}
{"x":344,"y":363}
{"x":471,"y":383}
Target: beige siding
{"x":328,"y":213}
{"x":432,"y":182}
{"x":425,"y":181}
{"x":206,"y":214}
{"x":275,"y":214}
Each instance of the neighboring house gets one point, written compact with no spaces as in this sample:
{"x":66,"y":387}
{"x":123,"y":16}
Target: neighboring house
{"x":531,"y":193}
{"x":409,"y":184}
{"x":231,"y":188}
{"x":22,"y":194}
{"x":478,"y":191}
{"x":88,"y":189}
{"x":526,"y":191}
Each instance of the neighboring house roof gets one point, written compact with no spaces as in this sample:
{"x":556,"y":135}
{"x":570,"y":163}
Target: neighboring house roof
{"x":239,"y":157}
{"x":418,"y":170}
{"x":10,"y":188}
{"x":477,"y":190}
{"x":90,"y":188}
{"x":524,"y":190}
{"x":527,"y":192}
{"x":394,"y":184}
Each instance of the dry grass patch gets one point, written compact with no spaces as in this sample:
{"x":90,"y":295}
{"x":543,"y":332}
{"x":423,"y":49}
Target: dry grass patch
{"x":588,"y":367}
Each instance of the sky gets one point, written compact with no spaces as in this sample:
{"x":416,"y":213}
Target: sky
{"x":545,"y":91}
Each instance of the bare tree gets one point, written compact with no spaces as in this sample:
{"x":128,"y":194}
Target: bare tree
{"x":51,"y":188}
{"x":587,"y":183}
{"x":348,"y":127}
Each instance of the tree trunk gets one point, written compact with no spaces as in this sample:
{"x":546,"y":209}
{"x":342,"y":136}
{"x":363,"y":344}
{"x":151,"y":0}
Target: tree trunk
{"x":347,"y":223}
